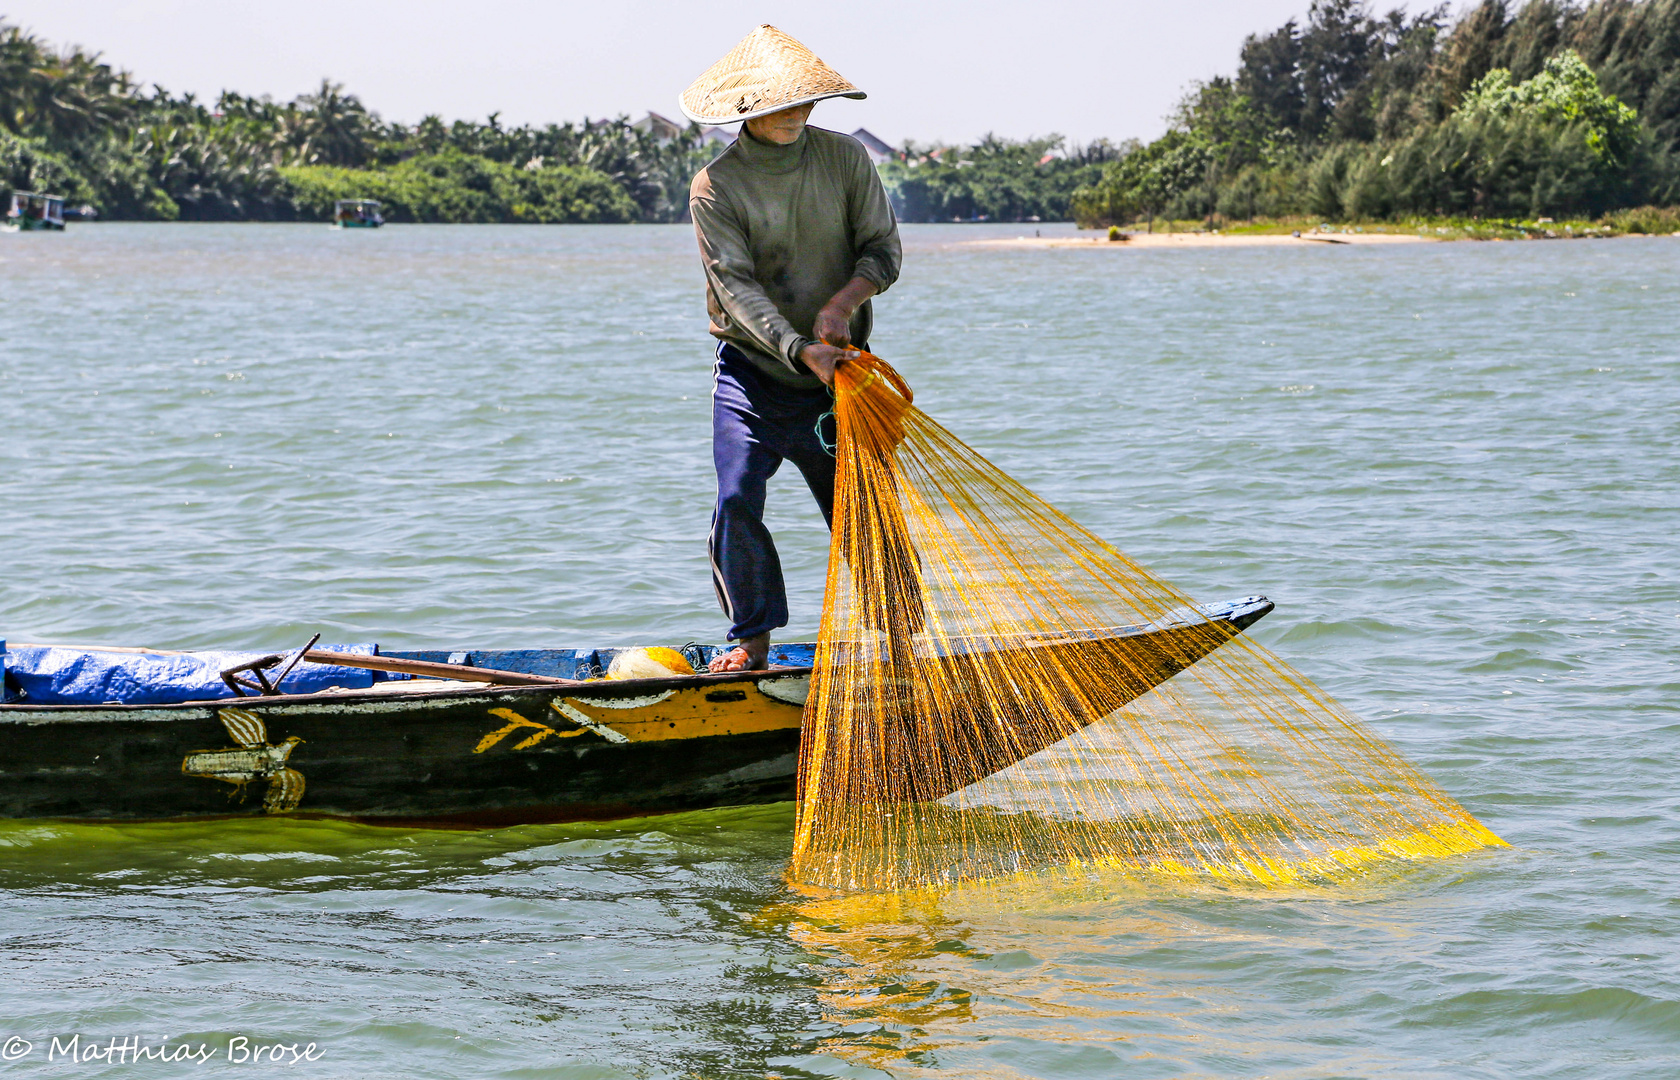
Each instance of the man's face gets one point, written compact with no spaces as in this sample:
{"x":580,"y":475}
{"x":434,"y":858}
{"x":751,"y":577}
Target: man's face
{"x":782,"y":127}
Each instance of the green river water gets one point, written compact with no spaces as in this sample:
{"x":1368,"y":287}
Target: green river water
{"x":1455,"y":468}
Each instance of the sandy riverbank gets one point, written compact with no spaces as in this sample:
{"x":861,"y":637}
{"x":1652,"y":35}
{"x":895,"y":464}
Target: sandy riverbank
{"x":1203,"y":240}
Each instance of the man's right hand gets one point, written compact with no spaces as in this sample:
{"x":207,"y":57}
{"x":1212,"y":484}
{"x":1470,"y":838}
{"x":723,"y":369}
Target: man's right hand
{"x":822,"y":359}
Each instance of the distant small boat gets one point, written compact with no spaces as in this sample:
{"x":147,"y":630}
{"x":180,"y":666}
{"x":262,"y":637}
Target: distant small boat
{"x":357,"y":214}
{"x":426,"y":751}
{"x":34,"y":212}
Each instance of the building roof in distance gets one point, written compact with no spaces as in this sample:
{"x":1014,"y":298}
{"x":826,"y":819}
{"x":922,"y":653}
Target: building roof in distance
{"x":662,"y":128}
{"x":879,"y":151}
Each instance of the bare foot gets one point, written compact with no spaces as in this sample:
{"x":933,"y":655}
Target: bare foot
{"x":752,"y":654}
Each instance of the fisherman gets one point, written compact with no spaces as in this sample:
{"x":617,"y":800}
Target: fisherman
{"x":796,"y":234}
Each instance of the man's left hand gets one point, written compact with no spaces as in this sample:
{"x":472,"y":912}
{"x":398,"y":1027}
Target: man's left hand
{"x":834,"y":321}
{"x":834,"y":326}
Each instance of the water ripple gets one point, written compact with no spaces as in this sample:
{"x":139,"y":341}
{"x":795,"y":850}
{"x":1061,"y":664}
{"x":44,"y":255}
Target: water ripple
{"x":1459,"y":487}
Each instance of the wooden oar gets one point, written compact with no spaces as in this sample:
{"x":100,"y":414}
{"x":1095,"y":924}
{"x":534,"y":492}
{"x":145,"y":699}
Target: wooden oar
{"x":437,"y":671}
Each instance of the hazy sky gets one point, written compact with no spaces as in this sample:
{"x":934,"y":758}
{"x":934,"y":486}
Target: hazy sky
{"x":940,"y":70}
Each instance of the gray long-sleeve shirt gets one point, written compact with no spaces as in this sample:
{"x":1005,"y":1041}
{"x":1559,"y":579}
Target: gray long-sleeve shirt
{"x":782,"y":229}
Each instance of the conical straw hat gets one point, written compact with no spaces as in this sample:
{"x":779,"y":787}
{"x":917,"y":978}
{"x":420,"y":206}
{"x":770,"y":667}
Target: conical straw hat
{"x":767,"y":72}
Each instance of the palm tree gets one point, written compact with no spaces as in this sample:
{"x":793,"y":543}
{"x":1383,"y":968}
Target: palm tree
{"x":21,"y":57}
{"x":330,"y":127}
{"x":60,"y":96}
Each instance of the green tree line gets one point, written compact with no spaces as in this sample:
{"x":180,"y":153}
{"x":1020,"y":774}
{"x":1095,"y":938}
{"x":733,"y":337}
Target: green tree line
{"x":1552,"y":109}
{"x":74,"y":125}
{"x":995,"y":179}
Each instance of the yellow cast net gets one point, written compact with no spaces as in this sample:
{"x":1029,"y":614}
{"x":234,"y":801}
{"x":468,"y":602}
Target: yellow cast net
{"x":999,"y":692}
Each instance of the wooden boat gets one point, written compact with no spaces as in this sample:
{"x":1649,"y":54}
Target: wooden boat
{"x":357,"y":214}
{"x":33,"y":212}
{"x":417,"y":751}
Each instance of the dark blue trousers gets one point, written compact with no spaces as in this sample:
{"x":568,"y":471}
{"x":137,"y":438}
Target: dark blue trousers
{"x":757,"y":423}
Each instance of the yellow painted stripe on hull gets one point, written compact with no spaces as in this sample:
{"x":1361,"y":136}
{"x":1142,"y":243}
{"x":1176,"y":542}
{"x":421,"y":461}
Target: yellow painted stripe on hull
{"x":727,"y":708}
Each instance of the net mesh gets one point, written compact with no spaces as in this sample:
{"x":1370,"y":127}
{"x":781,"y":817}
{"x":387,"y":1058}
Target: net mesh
{"x":998,"y":692}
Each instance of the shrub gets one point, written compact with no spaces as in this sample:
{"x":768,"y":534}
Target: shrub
{"x":1565,"y":92}
{"x":1172,"y":173}
{"x":1650,"y":220}
{"x":1260,"y":192}
{"x":995,"y":180}
{"x":1472,"y":165}
{"x":455,"y":187}
{"x":27,"y":165}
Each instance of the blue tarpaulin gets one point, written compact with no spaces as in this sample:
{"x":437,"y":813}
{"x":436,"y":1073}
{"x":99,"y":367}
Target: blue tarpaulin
{"x":56,"y":675}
